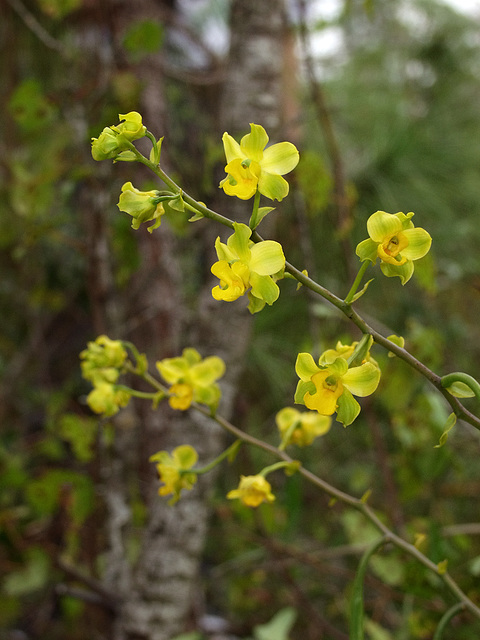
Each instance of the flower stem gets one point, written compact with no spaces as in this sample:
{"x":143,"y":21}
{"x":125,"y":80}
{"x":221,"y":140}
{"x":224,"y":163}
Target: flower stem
{"x":356,"y":284}
{"x":274,"y":467}
{"x":451,"y":613}
{"x":231,"y":451}
{"x":254,"y":217}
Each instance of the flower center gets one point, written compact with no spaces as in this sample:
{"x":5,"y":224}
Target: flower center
{"x":328,"y":388}
{"x":390,"y":250}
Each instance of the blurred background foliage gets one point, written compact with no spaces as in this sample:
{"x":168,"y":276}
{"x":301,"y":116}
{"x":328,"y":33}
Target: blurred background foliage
{"x":402,"y":89}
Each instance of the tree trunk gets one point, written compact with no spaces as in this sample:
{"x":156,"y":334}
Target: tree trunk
{"x":157,"y":591}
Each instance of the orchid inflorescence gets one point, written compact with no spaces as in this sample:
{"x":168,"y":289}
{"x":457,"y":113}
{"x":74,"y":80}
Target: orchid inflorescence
{"x":246,"y":265}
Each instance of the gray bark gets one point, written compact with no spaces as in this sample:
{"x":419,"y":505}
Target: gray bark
{"x":158,"y":590}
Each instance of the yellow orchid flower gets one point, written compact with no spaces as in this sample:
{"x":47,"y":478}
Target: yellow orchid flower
{"x":251,"y":166}
{"x":192,"y":379}
{"x":244,"y":266}
{"x":175,"y":470}
{"x":395,"y":240}
{"x":327,"y":388}
{"x":143,"y":206}
{"x":252,"y":491}
{"x":344,"y":351}
{"x":301,"y":428}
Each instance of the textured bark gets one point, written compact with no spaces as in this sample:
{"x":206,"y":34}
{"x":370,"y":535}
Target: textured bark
{"x":158,"y":590}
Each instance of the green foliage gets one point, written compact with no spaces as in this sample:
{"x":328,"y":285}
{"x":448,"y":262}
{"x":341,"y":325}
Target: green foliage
{"x":405,"y":107}
{"x":142,"y":38}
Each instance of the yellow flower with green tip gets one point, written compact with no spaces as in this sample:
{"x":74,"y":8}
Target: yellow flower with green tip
{"x":329,"y":388}
{"x":252,"y":491}
{"x":130,"y":127}
{"x":251,"y":166}
{"x":192,"y":379}
{"x":396,"y":241}
{"x":244,"y":266}
{"x":344,"y":351}
{"x":115,"y":139}
{"x":175,"y":470}
{"x":301,"y":428}
{"x":108,"y":145}
{"x":103,"y":360}
{"x":106,"y":399}
{"x":143,"y":206}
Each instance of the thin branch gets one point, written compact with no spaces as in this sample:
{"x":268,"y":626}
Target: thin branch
{"x":97,"y":592}
{"x":34,"y":25}
{"x":356,"y":503}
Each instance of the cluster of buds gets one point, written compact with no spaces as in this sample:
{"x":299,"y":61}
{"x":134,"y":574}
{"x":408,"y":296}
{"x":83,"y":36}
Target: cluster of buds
{"x":102,"y":362}
{"x":114,"y":143}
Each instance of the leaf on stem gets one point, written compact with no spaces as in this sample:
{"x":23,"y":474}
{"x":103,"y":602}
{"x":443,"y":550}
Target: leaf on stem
{"x":452,"y":419}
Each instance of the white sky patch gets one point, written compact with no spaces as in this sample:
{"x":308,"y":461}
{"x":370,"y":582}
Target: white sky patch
{"x":467,"y":7}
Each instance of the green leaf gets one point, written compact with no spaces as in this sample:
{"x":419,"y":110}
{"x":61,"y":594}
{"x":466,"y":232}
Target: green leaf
{"x":155,"y":152}
{"x":32,"y":577}
{"x":80,"y":432}
{"x":460,"y":390}
{"x":360,"y":293}
{"x":279,"y":626}
{"x":142,"y":38}
{"x":356,"y":602}
{"x":261,"y":213}
{"x":452,"y":419}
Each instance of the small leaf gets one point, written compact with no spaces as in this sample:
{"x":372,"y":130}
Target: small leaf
{"x":262,"y":212}
{"x":176,"y":203}
{"x":360,"y":293}
{"x":442,"y":567}
{"x":366,"y":496}
{"x":398,"y":340}
{"x":356,"y":604}
{"x":452,"y":419}
{"x":293,"y":467}
{"x":305,"y":273}
{"x":460,"y":390}
{"x":196,"y":216}
{"x":419,"y":539}
{"x":279,"y":626}
{"x":155,"y":152}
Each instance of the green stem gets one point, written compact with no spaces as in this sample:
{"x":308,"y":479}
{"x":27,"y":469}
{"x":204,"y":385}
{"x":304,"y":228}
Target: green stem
{"x":288,"y":434}
{"x":138,"y":394}
{"x":357,"y":281}
{"x":274,"y":467}
{"x":357,"y":603}
{"x":353,"y":502}
{"x":448,"y":615}
{"x":254,"y":217}
{"x":343,"y":305}
{"x":459,"y":376}
{"x":232,"y":450}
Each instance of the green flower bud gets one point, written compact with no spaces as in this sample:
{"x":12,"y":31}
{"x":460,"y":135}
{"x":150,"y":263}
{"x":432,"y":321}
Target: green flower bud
{"x":131,"y":126}
{"x":108,"y":145}
{"x":106,"y":399}
{"x":141,"y":205}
